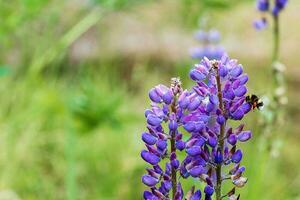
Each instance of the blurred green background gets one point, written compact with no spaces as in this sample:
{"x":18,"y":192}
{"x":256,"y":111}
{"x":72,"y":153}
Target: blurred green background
{"x":75,"y":76}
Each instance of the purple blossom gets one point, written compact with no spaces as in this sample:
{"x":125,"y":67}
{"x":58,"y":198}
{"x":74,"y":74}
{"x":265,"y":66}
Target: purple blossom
{"x":274,"y":7}
{"x":262,"y":5}
{"x":221,"y":88}
{"x":162,"y":143}
{"x":202,"y":113}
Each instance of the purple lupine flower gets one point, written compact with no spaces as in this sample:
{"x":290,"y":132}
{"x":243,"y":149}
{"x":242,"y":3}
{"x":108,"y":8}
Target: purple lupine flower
{"x":262,"y":5}
{"x":221,"y":89}
{"x":203,"y":112}
{"x":209,"y":45}
{"x":265,"y":6}
{"x":162,"y":143}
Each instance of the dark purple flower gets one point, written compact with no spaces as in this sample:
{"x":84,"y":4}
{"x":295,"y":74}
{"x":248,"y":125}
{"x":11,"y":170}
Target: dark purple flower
{"x":238,"y":114}
{"x":173,"y":125}
{"x":153,"y":120}
{"x":150,"y":157}
{"x":179,"y":193}
{"x":194,"y":151}
{"x":196,"y":171}
{"x":209,"y":190}
{"x":154,"y":96}
{"x":232,"y":139}
{"x":149,"y":180}
{"x":264,"y":6}
{"x":189,"y":126}
{"x":196,"y":196}
{"x":237,"y":156}
{"x":161,"y":144}
{"x":197,"y":75}
{"x":149,"y":138}
{"x":203,"y":113}
{"x":149,"y":196}
{"x":218,"y":157}
{"x":180,"y":145}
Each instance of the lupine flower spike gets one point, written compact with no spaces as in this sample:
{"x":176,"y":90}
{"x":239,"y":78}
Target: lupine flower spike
{"x":213,"y":143}
{"x":163,"y":142}
{"x":204,"y":112}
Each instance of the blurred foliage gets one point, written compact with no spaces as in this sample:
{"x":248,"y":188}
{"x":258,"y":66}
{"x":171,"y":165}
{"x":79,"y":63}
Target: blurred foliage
{"x":16,"y":13}
{"x":70,"y":122}
{"x":117,"y":4}
{"x":192,"y":10}
{"x":95,"y":105}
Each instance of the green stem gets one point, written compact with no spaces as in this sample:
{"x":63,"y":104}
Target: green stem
{"x":173,"y":149}
{"x":70,"y":178}
{"x":278,"y":78}
{"x":220,"y":137}
{"x":174,"y":175}
{"x":276,"y":39}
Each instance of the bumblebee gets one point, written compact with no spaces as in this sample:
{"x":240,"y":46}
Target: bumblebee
{"x":254,"y":101}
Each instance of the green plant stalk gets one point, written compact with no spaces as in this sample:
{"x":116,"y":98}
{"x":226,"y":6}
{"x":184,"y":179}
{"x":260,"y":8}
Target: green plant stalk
{"x":173,"y":149}
{"x":278,"y":77}
{"x":72,"y":35}
{"x":276,"y":41}
{"x":221,"y":136}
{"x":70,"y":153}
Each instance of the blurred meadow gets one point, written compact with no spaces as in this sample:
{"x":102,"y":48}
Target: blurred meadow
{"x":75,"y":76}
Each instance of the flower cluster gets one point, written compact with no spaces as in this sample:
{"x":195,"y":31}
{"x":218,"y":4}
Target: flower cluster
{"x":204,"y":113}
{"x":213,"y":143}
{"x":264,"y":7}
{"x":210,"y":48}
{"x":157,"y":139}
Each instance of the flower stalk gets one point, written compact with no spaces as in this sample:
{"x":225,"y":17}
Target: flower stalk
{"x":278,"y":95}
{"x":276,"y":35}
{"x":173,"y":151}
{"x":221,"y":136}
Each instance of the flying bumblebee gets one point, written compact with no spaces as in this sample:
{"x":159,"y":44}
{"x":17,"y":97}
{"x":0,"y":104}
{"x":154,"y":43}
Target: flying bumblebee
{"x":254,"y":101}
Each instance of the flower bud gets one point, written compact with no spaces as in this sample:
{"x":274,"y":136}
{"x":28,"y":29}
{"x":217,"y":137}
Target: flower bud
{"x":194,"y":150}
{"x":196,"y":171}
{"x":238,"y":114}
{"x":153,"y":120}
{"x":173,"y":125}
{"x":149,"y":180}
{"x":180,"y":145}
{"x":237,"y":156}
{"x":218,"y":157}
{"x":189,"y":126}
{"x":196,"y":196}
{"x":236,"y":71}
{"x":244,"y":136}
{"x":209,"y":190}
{"x":149,"y":138}
{"x":240,"y":91}
{"x":232,"y":139}
{"x":154,"y":96}
{"x":161,"y":144}
{"x":150,"y":157}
